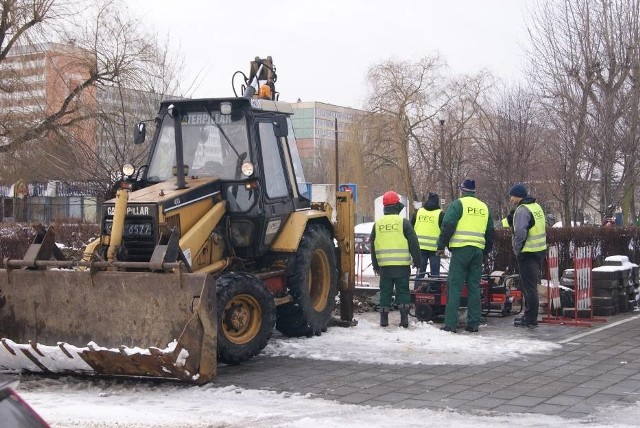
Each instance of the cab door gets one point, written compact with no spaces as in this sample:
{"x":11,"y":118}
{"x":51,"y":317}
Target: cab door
{"x":277,"y":189}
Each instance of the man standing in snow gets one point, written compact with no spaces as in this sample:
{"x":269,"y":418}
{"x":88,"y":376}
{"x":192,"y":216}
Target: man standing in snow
{"x":467,"y":229}
{"x":395,"y":245}
{"x":529,"y":242}
{"x":427,"y":222}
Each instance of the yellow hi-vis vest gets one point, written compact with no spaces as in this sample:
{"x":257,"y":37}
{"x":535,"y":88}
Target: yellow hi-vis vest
{"x":427,"y":228}
{"x":537,"y":235}
{"x":390,"y":245}
{"x":472,"y":225}
{"x":505,"y":222}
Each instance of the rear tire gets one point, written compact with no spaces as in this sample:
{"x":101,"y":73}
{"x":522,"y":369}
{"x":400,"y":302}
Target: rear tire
{"x":246,"y":316}
{"x":424,"y":312}
{"x":313,"y":283}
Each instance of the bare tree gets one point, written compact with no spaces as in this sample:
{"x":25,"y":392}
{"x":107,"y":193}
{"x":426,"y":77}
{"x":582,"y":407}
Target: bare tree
{"x":461,"y":115}
{"x":404,"y":98}
{"x":584,"y":52}
{"x":102,"y":59}
{"x":508,"y":144}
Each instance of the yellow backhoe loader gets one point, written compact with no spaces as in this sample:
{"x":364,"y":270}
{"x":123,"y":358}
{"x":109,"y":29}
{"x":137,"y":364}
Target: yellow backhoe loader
{"x":202,"y":252}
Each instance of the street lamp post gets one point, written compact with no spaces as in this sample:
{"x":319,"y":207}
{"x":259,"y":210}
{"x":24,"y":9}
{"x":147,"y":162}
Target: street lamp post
{"x":441,"y":166}
{"x":337,"y":156}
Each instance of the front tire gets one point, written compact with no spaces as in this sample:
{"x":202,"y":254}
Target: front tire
{"x":246,"y":316}
{"x":313,"y":283}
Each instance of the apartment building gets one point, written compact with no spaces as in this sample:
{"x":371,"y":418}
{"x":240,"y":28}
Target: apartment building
{"x":36,"y":80}
{"x":314,"y":126}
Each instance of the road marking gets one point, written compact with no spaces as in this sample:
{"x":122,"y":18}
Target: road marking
{"x":587,"y":333}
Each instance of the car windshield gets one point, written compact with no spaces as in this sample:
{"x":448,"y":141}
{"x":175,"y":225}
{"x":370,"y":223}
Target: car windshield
{"x":206,"y":150}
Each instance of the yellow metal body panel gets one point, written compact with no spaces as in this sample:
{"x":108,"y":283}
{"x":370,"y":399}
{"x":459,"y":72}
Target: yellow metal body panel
{"x":289,"y":237}
{"x":190,"y":214}
{"x":118,"y":222}
{"x":344,"y":231}
{"x":196,"y":219}
{"x":193,"y":240}
{"x":90,"y":249}
{"x":167,"y":190}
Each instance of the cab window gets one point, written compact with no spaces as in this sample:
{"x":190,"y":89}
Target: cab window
{"x":274,"y":175}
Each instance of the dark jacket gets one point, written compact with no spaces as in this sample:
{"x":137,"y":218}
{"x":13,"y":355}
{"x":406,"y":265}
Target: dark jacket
{"x":450,"y":222}
{"x":429,"y":205}
{"x":414,"y":247}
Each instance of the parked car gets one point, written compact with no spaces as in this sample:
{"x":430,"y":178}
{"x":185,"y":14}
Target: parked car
{"x":363,"y":237}
{"x":14,"y":411}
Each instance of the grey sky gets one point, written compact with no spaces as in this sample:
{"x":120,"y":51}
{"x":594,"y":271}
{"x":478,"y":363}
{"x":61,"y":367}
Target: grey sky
{"x":323,"y":49}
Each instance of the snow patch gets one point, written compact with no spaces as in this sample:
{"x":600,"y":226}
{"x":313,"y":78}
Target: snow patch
{"x":421,"y":343}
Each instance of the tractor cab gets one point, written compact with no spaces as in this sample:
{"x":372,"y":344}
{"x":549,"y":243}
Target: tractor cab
{"x":247,"y":148}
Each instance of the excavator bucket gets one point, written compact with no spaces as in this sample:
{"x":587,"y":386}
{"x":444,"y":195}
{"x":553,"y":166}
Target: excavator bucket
{"x":157,"y":324}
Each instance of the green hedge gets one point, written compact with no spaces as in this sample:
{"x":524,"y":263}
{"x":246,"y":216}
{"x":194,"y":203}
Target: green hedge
{"x":15,"y":238}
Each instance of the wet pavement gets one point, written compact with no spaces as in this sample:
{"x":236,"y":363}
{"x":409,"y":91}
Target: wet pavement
{"x":594,"y":366}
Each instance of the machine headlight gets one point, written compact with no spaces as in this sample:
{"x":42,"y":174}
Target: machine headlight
{"x":247,"y":169}
{"x":128,"y":170}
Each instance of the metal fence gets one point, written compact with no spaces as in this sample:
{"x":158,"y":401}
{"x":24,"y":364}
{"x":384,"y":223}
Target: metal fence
{"x":49,"y":201}
{"x":48,"y":209}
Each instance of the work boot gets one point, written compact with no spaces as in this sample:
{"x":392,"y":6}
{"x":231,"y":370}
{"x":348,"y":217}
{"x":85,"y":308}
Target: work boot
{"x":522,"y":322}
{"x":384,"y":317}
{"x":404,"y":316}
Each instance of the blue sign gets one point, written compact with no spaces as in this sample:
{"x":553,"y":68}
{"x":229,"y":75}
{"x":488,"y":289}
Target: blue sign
{"x":349,"y":187}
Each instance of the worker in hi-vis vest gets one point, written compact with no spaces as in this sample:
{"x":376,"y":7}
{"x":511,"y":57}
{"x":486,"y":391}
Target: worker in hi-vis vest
{"x":426,"y":222}
{"x":467,"y":229}
{"x":395,"y":249}
{"x":529,"y":242}
{"x":507,"y":222}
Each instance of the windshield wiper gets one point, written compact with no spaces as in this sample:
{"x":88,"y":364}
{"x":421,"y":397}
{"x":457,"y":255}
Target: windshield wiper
{"x":213,"y":119}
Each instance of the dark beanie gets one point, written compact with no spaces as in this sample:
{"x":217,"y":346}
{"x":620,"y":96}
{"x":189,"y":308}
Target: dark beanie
{"x":433,"y":199}
{"x":468,"y":185}
{"x":518,"y":190}
{"x":432,"y":202}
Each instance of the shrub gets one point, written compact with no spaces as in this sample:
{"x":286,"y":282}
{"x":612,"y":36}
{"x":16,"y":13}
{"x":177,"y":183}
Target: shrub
{"x":15,"y":238}
{"x":605,"y":241}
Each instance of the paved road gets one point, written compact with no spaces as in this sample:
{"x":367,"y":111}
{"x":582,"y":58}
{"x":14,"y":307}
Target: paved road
{"x":595,"y":366}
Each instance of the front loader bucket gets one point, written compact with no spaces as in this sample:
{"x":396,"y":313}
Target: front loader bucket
{"x":108,"y":323}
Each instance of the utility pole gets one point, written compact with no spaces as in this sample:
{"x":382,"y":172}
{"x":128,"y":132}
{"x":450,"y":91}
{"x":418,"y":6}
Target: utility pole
{"x":337,"y":157}
{"x":443,"y":186}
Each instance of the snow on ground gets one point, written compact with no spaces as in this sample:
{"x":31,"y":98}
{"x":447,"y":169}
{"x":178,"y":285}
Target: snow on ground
{"x":76,"y":404}
{"x":421,"y":343}
{"x":70,"y":402}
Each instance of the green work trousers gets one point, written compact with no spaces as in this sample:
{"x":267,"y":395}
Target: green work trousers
{"x":465,"y":267}
{"x":402,"y":290}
